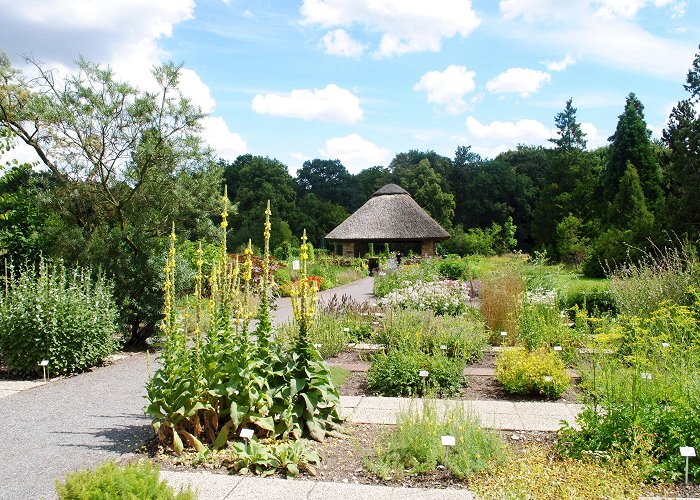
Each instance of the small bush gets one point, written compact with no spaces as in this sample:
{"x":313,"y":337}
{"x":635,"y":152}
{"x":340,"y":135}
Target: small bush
{"x":50,"y":312}
{"x":397,"y":374}
{"x":140,"y":480}
{"x":535,"y":373}
{"x":405,"y":276}
{"x":453,"y":268}
{"x":414,"y":447}
{"x":541,"y":325}
{"x":597,"y":301}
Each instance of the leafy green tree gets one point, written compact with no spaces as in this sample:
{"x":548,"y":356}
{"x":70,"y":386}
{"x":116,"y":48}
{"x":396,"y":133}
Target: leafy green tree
{"x":571,"y":241}
{"x":682,"y":135}
{"x":408,"y":161}
{"x":631,"y":142}
{"x":329,"y":180}
{"x":262,"y":179}
{"x":318,"y":217}
{"x":424,"y":185}
{"x":370,"y":180}
{"x":124,"y":165}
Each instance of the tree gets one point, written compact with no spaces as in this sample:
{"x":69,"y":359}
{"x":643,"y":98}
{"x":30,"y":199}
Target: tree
{"x":424,"y":186}
{"x":407,"y":161}
{"x":124,"y":163}
{"x":370,"y":180}
{"x":631,"y":142}
{"x":629,"y":210}
{"x":569,"y":130}
{"x":682,"y":136}
{"x":318,"y":217}
{"x":329,"y":180}
{"x":262,"y":179}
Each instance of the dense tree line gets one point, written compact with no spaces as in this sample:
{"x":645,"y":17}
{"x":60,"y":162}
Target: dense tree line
{"x":118,"y":166}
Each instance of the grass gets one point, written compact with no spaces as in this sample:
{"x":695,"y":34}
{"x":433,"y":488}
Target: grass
{"x":414,"y":445}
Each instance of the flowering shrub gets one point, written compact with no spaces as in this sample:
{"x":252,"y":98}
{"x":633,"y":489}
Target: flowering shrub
{"x":441,"y":297}
{"x":538,"y":373}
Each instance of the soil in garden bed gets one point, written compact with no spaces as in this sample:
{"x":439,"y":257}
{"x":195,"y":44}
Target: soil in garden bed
{"x":480,"y":387}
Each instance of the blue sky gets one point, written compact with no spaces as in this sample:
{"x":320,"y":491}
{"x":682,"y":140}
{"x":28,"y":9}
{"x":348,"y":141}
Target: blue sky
{"x":361,"y":80}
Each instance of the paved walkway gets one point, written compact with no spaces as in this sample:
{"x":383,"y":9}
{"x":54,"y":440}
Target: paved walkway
{"x":220,"y":487}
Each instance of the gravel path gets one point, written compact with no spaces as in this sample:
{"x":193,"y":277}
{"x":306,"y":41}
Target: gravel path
{"x":79,"y":421}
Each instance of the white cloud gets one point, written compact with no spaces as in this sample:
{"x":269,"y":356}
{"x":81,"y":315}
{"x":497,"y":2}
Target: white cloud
{"x":448,"y":87}
{"x":339,"y":43}
{"x":405,"y":26}
{"x":600,"y":30}
{"x":192,"y":87}
{"x":227,"y":144}
{"x":594,"y":139}
{"x":561,"y":65}
{"x":521,"y":80}
{"x":524,"y":131}
{"x":355,"y":153}
{"x":330,"y":104}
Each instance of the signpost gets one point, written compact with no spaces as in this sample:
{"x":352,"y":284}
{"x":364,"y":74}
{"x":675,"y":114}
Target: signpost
{"x":687,"y":452}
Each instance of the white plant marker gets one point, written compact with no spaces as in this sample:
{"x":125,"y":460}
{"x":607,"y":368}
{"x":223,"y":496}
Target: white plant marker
{"x":503,"y":334}
{"x":423,"y":373}
{"x":443,"y":347}
{"x":665,"y":344}
{"x":447,"y":441}
{"x":295,"y":265}
{"x":557,"y":348}
{"x":317,"y":346}
{"x":547,"y":378}
{"x":346,"y":329}
{"x":246,"y":434}
{"x":44,"y":364}
{"x":646,"y":376}
{"x":687,"y":452}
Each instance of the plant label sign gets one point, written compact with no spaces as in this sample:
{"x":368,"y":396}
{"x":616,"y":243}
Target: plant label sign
{"x":547,"y":378}
{"x":646,"y":376}
{"x":665,"y":344}
{"x":346,"y":329}
{"x":443,"y":347}
{"x":423,"y":373}
{"x":44,"y":362}
{"x":447,"y":440}
{"x":295,"y":265}
{"x":557,"y":348}
{"x":246,"y":433}
{"x":687,"y":451}
{"x":503,"y":334}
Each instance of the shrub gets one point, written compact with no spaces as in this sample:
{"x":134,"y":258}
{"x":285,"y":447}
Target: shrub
{"x":541,"y":325}
{"x":462,"y":336}
{"x":397,"y":374}
{"x":453,"y":268}
{"x":139,"y":480}
{"x":597,"y":301}
{"x":536,"y":373}
{"x":414,"y":446}
{"x":62,"y":315}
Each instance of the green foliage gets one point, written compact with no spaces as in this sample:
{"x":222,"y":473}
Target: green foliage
{"x":413,"y":446}
{"x":596,"y":300}
{"x":224,"y":379}
{"x":396,"y":373}
{"x":536,"y":373}
{"x":453,"y":268}
{"x":138,"y":480}
{"x":542,"y":326}
{"x":463,"y":337}
{"x":611,"y":249}
{"x":59,"y":314}
{"x":571,"y":243}
{"x":424,"y":185}
{"x":643,"y":397}
{"x":261,"y":459}
{"x":662,"y":275}
{"x":124,"y":164}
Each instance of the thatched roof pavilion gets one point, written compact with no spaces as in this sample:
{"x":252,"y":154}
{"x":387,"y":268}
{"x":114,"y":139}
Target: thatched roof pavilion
{"x":390,"y":215}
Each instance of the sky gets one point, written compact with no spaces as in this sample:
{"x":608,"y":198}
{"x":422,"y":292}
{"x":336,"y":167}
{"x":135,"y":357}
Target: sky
{"x":363,"y":80}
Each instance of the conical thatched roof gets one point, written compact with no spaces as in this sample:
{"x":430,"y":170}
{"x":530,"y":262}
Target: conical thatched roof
{"x":389,"y":215}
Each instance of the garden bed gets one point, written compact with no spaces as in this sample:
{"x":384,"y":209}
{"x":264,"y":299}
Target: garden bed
{"x":479,"y":387}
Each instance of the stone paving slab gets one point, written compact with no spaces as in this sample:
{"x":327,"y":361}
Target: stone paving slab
{"x":212,"y":486}
{"x":505,"y":415}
